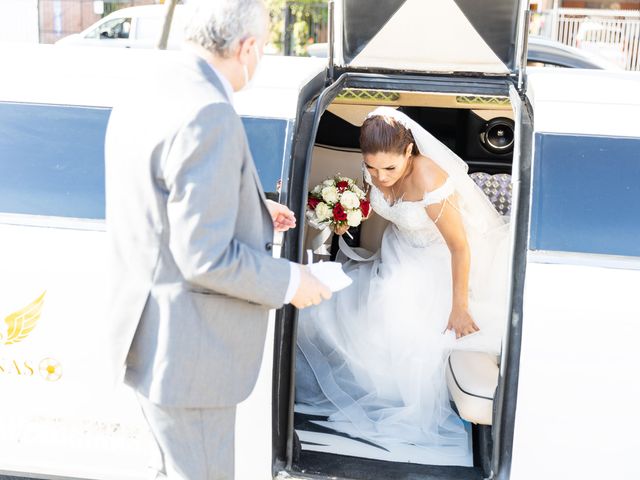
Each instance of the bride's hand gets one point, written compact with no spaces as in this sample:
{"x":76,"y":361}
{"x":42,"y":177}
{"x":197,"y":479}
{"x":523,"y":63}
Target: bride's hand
{"x":342,"y":229}
{"x":461,"y":322}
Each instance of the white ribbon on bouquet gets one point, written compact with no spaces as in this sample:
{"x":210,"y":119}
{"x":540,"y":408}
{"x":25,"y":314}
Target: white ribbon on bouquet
{"x":319,"y":242}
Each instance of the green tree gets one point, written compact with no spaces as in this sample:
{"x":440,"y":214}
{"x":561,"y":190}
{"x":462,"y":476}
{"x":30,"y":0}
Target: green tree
{"x":308,"y":23}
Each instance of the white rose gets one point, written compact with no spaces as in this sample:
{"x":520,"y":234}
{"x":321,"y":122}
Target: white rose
{"x":330,"y":194}
{"x":350,"y":200}
{"x":317,"y":189}
{"x":354,"y":218}
{"x":323,"y":211}
{"x":361,"y":195}
{"x":328,"y":182}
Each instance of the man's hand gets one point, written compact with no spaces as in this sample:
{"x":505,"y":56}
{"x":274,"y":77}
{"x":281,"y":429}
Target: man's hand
{"x":283,"y":218}
{"x":311,"y":291}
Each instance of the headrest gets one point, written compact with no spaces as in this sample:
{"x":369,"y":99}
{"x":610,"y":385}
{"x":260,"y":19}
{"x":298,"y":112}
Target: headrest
{"x":497,"y":187}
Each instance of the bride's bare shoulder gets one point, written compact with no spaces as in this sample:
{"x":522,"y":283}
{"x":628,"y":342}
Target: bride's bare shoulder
{"x":428,"y":175}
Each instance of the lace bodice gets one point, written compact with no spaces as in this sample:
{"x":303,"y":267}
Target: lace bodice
{"x":410,"y":217}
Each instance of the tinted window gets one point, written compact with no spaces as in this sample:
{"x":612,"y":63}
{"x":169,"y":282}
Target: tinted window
{"x":586,"y":194}
{"x":267,"y":141}
{"x":52,"y":160}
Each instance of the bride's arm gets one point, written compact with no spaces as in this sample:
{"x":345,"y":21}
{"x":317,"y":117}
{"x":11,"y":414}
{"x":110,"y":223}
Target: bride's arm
{"x":449,"y":222}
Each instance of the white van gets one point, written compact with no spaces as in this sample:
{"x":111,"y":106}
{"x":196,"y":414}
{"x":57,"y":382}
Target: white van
{"x":559,"y":401}
{"x":133,"y":27}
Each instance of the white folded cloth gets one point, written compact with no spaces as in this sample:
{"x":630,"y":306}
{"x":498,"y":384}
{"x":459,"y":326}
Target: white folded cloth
{"x":331,"y":274}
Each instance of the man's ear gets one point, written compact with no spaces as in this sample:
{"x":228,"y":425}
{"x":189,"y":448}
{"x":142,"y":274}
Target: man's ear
{"x":245,"y":50}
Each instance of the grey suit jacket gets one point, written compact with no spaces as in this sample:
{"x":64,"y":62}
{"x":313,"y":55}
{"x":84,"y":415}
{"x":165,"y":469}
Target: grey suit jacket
{"x":191,"y":273}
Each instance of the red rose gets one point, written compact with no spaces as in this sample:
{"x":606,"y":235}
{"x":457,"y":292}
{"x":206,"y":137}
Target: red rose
{"x":339,"y":214}
{"x":342,"y":185}
{"x":313,"y":202}
{"x":365,"y":208}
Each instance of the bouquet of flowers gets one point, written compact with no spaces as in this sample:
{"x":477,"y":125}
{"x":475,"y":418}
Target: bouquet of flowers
{"x":337,"y":203}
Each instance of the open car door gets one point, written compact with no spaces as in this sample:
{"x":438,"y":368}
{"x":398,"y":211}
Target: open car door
{"x":441,"y":58}
{"x":436,"y":36}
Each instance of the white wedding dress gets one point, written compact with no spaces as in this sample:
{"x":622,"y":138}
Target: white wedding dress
{"x":377,"y":351}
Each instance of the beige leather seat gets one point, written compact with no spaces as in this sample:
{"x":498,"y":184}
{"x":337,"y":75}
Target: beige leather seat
{"x":472,"y":377}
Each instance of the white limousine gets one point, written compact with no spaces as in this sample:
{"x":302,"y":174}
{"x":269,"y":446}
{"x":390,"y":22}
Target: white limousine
{"x":557,"y":149}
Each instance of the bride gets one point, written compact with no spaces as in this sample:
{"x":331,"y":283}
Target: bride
{"x":377,"y":349}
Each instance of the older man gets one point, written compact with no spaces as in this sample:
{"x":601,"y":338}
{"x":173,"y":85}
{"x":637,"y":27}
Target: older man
{"x":193,"y":277}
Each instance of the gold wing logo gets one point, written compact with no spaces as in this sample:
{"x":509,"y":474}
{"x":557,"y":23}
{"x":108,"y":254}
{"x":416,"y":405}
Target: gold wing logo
{"x":22,"y":322}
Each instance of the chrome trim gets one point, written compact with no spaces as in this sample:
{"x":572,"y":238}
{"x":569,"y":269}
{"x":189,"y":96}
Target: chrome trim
{"x":584,"y":259}
{"x":522,"y":39}
{"x":516,"y":106}
{"x":69,"y":223}
{"x":332,"y":39}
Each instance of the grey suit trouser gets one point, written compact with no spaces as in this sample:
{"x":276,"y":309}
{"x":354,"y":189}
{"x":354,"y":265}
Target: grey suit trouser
{"x":194,"y":443}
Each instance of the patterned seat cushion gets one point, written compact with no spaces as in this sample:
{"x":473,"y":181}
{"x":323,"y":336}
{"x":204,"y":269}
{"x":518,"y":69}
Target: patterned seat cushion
{"x":497,"y":187}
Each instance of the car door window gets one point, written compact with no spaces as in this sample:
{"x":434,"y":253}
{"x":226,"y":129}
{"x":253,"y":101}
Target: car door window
{"x":116,"y":28}
{"x":95,"y":33}
{"x":268,"y":140}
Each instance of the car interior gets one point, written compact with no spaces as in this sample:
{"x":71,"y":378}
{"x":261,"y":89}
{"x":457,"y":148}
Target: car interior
{"x":479,"y":129}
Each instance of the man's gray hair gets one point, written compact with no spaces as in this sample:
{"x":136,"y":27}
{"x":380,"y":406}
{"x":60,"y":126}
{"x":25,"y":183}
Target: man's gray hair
{"x":220,"y":25}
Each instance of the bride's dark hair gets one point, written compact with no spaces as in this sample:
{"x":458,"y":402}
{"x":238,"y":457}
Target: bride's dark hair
{"x":385,"y":134}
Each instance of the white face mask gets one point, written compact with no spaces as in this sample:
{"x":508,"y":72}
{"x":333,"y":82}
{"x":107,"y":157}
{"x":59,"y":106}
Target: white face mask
{"x":248,"y":81}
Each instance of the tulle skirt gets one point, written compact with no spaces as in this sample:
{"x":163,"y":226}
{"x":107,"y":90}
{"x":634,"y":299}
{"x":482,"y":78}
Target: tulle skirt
{"x":372,"y":358}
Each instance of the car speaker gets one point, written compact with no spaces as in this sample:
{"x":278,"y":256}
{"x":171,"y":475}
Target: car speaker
{"x":497,"y":136}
